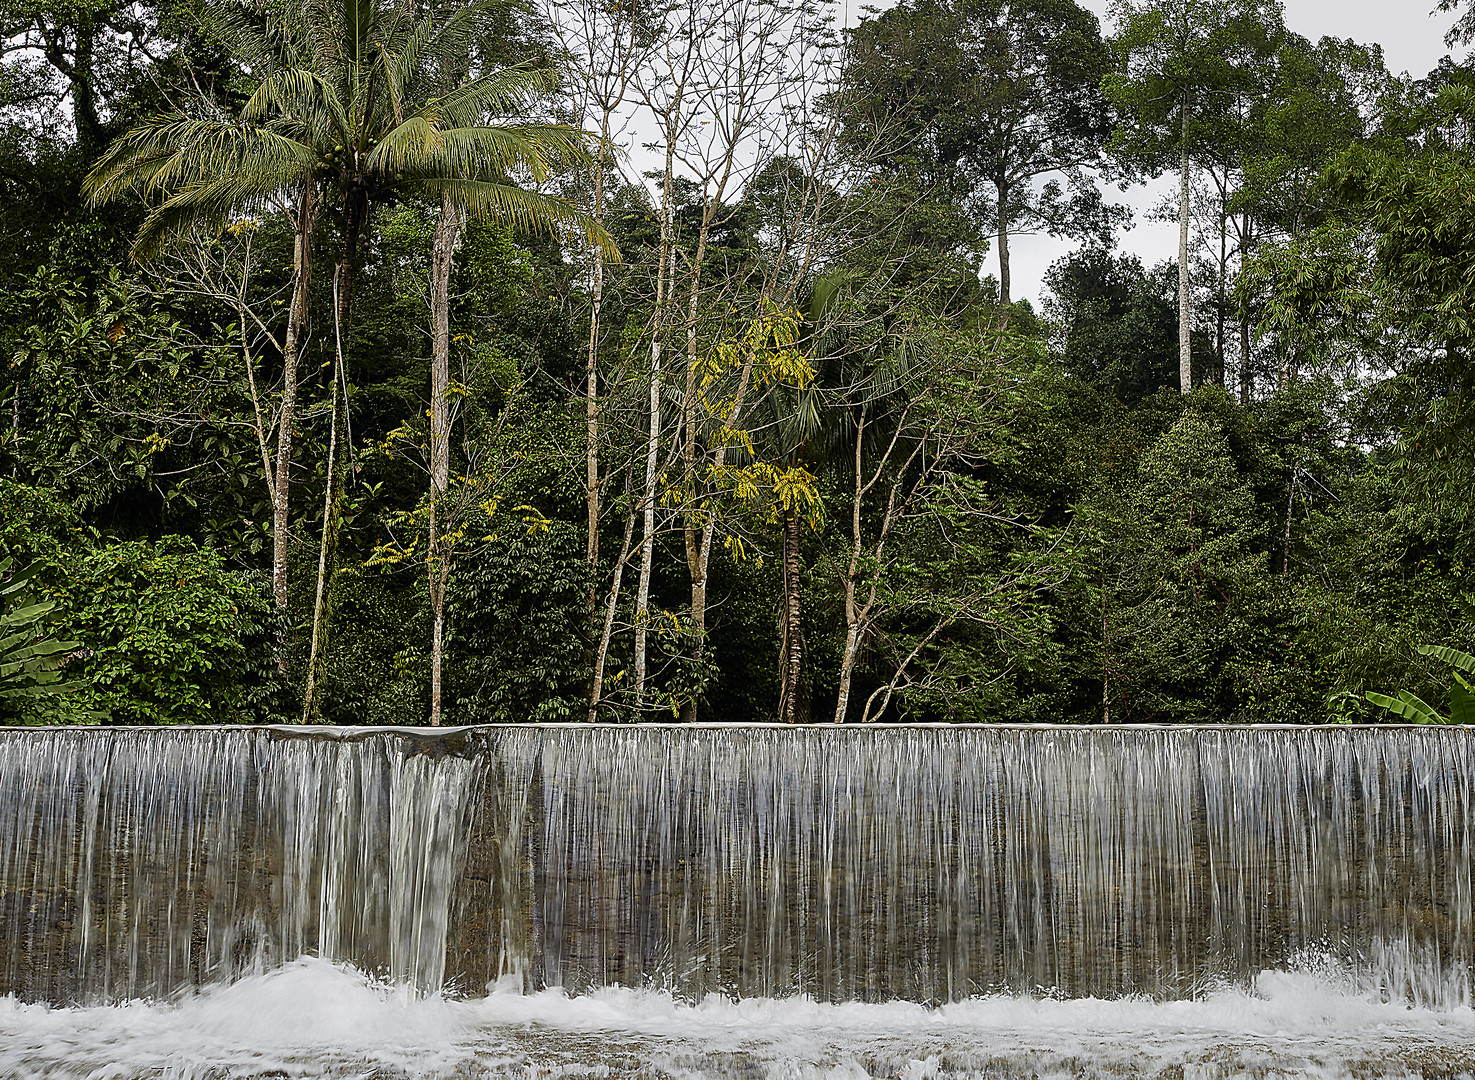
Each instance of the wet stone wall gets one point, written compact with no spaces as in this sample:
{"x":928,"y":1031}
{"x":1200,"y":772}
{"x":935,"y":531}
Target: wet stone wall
{"x":923,"y":863}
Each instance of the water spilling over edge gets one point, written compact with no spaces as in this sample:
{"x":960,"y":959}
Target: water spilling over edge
{"x":930,"y":864}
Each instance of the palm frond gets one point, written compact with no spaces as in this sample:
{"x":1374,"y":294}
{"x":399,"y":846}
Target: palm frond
{"x":179,"y":153}
{"x":357,"y":26}
{"x":300,"y":95}
{"x":523,"y":211}
{"x":508,"y":92}
{"x":212,"y":202}
{"x":405,"y":63}
{"x":419,"y":149}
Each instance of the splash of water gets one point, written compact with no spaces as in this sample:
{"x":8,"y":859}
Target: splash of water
{"x":314,"y":1019}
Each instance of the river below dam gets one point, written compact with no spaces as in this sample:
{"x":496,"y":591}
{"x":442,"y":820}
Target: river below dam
{"x":709,"y":901}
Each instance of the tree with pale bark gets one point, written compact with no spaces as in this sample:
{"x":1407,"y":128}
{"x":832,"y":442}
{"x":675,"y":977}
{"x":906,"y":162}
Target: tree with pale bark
{"x":1179,"y":66}
{"x":354,"y":107}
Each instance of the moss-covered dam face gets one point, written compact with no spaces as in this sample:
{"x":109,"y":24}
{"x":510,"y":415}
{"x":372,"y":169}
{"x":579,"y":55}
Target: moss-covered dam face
{"x":920,"y":863}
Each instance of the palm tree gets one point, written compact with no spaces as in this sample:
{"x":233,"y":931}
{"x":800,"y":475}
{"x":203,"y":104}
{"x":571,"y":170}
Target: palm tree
{"x":356,"y":105}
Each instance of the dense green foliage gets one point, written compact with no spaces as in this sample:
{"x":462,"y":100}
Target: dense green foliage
{"x":792,"y":452}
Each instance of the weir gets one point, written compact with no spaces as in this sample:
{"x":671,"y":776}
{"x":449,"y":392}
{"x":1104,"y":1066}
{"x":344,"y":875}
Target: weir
{"x":920,"y":863}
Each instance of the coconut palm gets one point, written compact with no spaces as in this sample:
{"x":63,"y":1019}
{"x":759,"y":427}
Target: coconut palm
{"x":354,"y":103}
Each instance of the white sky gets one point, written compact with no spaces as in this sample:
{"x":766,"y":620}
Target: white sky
{"x":1412,"y":41}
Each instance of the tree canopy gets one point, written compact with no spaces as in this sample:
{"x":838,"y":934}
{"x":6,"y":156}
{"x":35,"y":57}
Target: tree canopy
{"x":394,"y":362}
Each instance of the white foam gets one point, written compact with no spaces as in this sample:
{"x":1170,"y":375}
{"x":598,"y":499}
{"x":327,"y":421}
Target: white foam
{"x":313,"y":1018}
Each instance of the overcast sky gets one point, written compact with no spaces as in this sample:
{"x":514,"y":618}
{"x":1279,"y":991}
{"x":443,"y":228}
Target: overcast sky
{"x":1412,"y":41}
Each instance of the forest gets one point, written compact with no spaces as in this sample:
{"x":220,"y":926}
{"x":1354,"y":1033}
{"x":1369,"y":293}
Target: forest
{"x":420,"y":361}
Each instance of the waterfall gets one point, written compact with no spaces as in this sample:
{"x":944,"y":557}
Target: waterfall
{"x":928,"y":864}
{"x":136,"y":862}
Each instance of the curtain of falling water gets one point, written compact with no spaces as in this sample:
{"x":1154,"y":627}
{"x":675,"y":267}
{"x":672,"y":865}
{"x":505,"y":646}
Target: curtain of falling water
{"x":920,"y":863}
{"x":134,"y":862}
{"x":932,"y":864}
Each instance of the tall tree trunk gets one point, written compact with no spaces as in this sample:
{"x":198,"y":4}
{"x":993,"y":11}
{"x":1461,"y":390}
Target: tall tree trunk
{"x":339,"y":445}
{"x":596,"y":685}
{"x":856,"y":615}
{"x":1244,"y":318}
{"x":591,"y":366}
{"x":591,"y":412}
{"x":1185,"y":298}
{"x":327,"y":559}
{"x":1105,"y":644}
{"x":1002,"y":187}
{"x":448,"y":232}
{"x":847,"y":658}
{"x":648,"y":535}
{"x":699,"y":582}
{"x":1222,"y":314}
{"x":84,"y":93}
{"x":653,"y":441}
{"x":791,"y":648}
{"x":694,"y":534}
{"x":853,"y":613}
{"x":297,"y":316}
{"x":591,"y":438}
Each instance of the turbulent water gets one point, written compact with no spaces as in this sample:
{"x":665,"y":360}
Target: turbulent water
{"x":312,"y":1019}
{"x":705,"y":901}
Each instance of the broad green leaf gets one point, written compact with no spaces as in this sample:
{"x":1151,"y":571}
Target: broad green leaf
{"x":1454,"y":657}
{"x":1461,"y":706}
{"x":1406,"y":706}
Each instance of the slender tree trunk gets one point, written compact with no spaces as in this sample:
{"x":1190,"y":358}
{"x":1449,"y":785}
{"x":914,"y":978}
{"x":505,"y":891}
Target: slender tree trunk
{"x":601,"y":655}
{"x":327,"y":554}
{"x":1185,"y":297}
{"x":791,"y":655}
{"x":653,"y":441}
{"x":338,"y":450}
{"x":1244,"y":318}
{"x":709,"y":527}
{"x":853,"y":615}
{"x":1002,"y":186}
{"x":448,"y":232}
{"x":1105,"y":647}
{"x":591,"y":366}
{"x":856,"y":616}
{"x":591,"y":411}
{"x":281,"y":508}
{"x":847,"y":658}
{"x":694,"y":534}
{"x":1221,"y":315}
{"x":648,"y":534}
